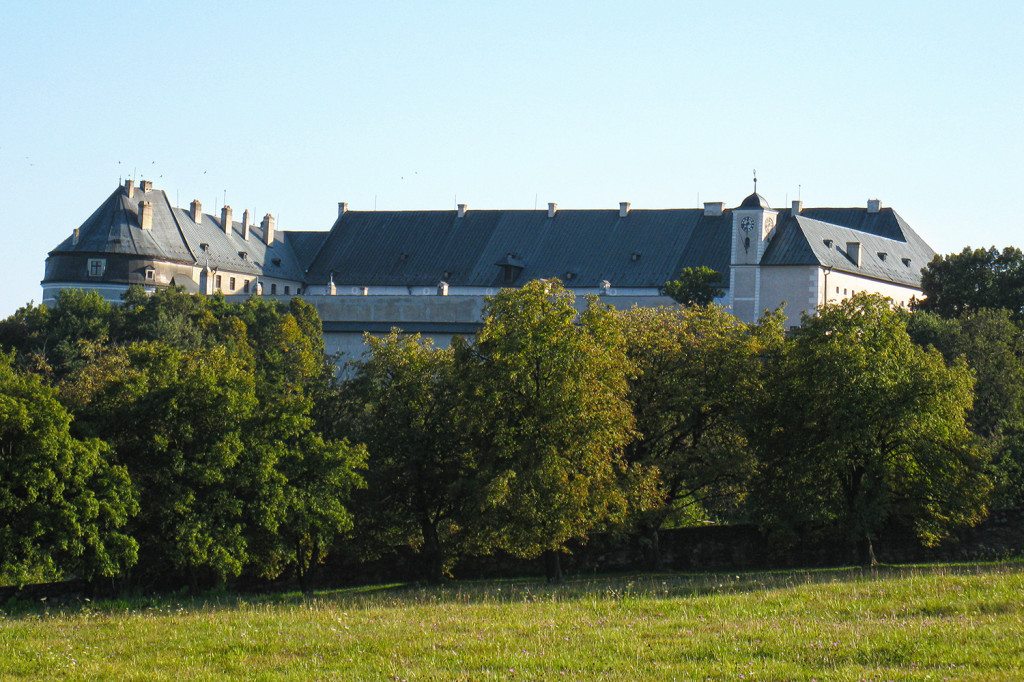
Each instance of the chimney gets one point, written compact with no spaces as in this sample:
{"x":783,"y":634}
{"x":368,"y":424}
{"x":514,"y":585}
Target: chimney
{"x":246,"y":223}
{"x":552,"y":209}
{"x":798,"y":207}
{"x":196,"y":211}
{"x":268,"y":229}
{"x":342,"y":208}
{"x":145,"y":215}
{"x":874,"y":205}
{"x":714,"y":208}
{"x":462,"y":210}
{"x":442,"y":288}
{"x":225,"y":220}
{"x":129,"y":187}
{"x":623,"y":209}
{"x":145,"y":185}
{"x":364,"y":291}
{"x":853,"y":252}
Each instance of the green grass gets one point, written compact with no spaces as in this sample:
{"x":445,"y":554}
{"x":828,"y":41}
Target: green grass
{"x":925,"y":622}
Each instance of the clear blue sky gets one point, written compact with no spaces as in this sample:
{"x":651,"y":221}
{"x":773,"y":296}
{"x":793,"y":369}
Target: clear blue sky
{"x":292,"y":108}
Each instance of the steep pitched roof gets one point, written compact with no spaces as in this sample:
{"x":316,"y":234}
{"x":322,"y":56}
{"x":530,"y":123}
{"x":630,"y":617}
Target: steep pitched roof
{"x":114,"y":228}
{"x":890,"y":250}
{"x":419,"y":248}
{"x":225,"y":250}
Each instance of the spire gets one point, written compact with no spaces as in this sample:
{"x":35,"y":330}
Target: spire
{"x":755,"y":181}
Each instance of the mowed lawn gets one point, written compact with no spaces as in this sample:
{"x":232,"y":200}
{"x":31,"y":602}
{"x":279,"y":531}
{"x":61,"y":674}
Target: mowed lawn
{"x":927,"y":622}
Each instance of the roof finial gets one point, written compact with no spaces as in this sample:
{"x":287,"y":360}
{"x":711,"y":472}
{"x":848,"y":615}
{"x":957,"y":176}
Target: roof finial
{"x":755,"y":181}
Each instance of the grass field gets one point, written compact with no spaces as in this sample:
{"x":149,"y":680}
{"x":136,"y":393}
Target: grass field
{"x":937,"y":622}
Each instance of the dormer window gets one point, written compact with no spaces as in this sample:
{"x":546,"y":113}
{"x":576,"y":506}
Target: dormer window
{"x":511,"y":268}
{"x":635,"y":256}
{"x":243,"y":255}
{"x":828,"y":243}
{"x":97,"y":266}
{"x":569,"y":276}
{"x":150,"y":274}
{"x":276,"y":261}
{"x":882,"y":255}
{"x":906,"y":261}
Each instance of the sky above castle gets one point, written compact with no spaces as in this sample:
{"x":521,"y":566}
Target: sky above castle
{"x":406,"y":105}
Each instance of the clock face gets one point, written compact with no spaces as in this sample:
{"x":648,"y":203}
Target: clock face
{"x":747,"y":224}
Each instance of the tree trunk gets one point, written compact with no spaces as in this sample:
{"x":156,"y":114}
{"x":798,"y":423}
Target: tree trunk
{"x":300,"y":567}
{"x":432,"y":557}
{"x":654,"y":558}
{"x":553,"y":566}
{"x":866,"y":551}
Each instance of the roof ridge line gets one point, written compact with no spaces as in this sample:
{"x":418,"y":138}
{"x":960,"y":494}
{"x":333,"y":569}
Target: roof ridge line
{"x":135,"y":245}
{"x":181,"y":233}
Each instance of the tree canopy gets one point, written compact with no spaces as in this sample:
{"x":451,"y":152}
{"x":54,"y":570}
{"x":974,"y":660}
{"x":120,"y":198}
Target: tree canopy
{"x":972,"y":280}
{"x":865,"y":427}
{"x":63,"y":505}
{"x":405,"y":405}
{"x":547,"y":389}
{"x":697,"y":372}
{"x":696,"y":286}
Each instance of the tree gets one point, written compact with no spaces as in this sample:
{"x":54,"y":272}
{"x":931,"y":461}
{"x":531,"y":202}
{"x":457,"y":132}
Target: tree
{"x":547,"y":391}
{"x":297,"y":482}
{"x":865,"y":427}
{"x":405,"y":406}
{"x":698,"y":369}
{"x":695,"y":286}
{"x":993,"y":345}
{"x":217,"y":430}
{"x":63,"y":506}
{"x":55,"y":341}
{"x":174,"y":419}
{"x":972,"y":280}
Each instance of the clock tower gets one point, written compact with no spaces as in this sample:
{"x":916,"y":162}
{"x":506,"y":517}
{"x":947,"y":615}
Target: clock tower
{"x":753,"y":226}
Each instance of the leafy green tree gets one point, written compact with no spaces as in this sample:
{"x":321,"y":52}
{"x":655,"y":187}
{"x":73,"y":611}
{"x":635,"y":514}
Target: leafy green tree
{"x":865,"y":427}
{"x":175,"y":420}
{"x":56,"y":341}
{"x":547,"y":389}
{"x":972,"y":280}
{"x":405,"y":405}
{"x":63,"y":506}
{"x":696,"y":286}
{"x":993,"y":345}
{"x":297,"y":482}
{"x":698,"y":369}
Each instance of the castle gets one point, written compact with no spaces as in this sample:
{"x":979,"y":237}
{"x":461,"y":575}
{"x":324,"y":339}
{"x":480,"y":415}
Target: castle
{"x":429,"y":271}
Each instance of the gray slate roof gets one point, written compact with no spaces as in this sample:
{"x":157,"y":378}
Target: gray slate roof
{"x":582,"y":247}
{"x":114,"y":228}
{"x":644,"y":249}
{"x":802,"y":240}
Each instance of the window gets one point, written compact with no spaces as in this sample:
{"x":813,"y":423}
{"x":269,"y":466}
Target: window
{"x":844,"y":292}
{"x":97,"y":266}
{"x":245,"y":287}
{"x":150,"y":274}
{"x":287,"y":290}
{"x":273,"y":288}
{"x":837,"y":290}
{"x":231,"y":284}
{"x":218,"y":281}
